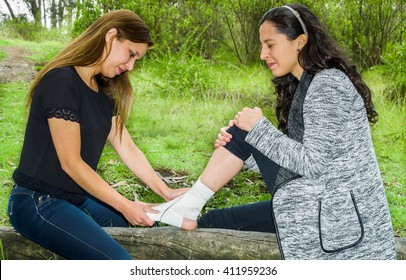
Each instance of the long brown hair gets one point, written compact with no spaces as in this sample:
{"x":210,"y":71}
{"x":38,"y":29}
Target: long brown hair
{"x":320,"y":52}
{"x":87,"y":50}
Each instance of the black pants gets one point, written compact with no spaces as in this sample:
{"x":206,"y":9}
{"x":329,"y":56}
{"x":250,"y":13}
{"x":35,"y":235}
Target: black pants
{"x":251,"y":217}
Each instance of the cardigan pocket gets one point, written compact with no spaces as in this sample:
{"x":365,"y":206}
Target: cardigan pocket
{"x":340,"y":223}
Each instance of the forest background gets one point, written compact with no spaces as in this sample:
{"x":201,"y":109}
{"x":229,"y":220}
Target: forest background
{"x":203,"y":69}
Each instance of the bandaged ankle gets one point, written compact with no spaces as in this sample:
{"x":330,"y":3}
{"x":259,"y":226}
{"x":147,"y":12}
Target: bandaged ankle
{"x":187,"y":206}
{"x":162,"y":208}
{"x":193,"y":201}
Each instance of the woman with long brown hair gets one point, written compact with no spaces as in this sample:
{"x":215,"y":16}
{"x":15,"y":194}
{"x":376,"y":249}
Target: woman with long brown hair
{"x":79,"y":100}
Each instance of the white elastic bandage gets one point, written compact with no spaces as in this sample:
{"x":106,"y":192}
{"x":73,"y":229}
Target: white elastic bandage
{"x":193,"y":201}
{"x":162,"y":208}
{"x":187,"y":206}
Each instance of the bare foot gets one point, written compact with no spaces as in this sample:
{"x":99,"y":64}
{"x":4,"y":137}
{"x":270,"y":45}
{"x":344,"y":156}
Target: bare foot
{"x":188,"y":224}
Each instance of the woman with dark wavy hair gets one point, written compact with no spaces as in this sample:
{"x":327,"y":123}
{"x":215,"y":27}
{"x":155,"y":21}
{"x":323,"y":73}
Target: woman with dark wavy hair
{"x":328,"y":200}
{"x":80,"y":99}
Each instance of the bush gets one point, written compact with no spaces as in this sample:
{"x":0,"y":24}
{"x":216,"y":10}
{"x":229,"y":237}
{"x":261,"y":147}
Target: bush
{"x":393,"y":68}
{"x":180,"y":75}
{"x":21,"y":28}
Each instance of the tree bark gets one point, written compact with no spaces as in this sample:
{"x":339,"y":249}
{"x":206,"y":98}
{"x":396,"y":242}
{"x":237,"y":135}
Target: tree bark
{"x":169,"y":243}
{"x":10,"y":9}
{"x":35,"y":8}
{"x":162,"y":243}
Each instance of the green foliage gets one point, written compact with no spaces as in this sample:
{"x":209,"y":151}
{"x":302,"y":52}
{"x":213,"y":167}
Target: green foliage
{"x":83,"y":22}
{"x":182,"y":76}
{"x":363,"y":28}
{"x":176,"y":26}
{"x":394,"y":69}
{"x":241,"y":26}
{"x":12,"y":119}
{"x":389,"y":137}
{"x":3,"y":55}
{"x":203,"y":28}
{"x":188,"y":26}
{"x":20,"y":27}
{"x":191,"y":27}
{"x":4,"y":42}
{"x":2,"y":253}
{"x":89,"y":10}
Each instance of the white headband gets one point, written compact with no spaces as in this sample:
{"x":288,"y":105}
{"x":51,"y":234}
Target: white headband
{"x":297,"y":15}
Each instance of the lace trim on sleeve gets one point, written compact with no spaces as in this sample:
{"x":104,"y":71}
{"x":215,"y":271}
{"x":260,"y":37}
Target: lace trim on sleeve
{"x":62,"y":113}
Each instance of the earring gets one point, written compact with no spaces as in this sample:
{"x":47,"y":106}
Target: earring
{"x":299,"y":50}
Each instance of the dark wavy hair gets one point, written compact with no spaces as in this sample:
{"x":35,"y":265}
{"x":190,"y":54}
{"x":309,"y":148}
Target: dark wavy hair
{"x":320,"y":52}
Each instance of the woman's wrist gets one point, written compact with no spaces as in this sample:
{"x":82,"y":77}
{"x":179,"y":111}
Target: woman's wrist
{"x":166,"y":194}
{"x":161,"y":189}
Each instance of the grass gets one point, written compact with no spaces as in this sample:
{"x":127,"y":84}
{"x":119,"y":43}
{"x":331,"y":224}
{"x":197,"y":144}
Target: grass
{"x":12,"y":122}
{"x":179,"y":106}
{"x":3,"y":55}
{"x":389,"y":137}
{"x":176,"y":129}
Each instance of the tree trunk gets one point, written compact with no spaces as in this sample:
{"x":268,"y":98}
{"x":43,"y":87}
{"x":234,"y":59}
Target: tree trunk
{"x":54,"y":14}
{"x":60,"y":12}
{"x":162,"y":243}
{"x":35,"y":7}
{"x":169,"y":243}
{"x":10,"y":9}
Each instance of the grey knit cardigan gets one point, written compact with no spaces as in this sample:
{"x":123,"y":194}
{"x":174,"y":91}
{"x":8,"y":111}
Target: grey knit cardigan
{"x":329,"y":201}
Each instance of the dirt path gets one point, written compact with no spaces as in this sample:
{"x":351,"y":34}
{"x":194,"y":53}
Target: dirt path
{"x":16,"y":67}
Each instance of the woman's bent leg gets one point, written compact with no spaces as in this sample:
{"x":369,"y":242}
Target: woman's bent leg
{"x":250,"y":217}
{"x":255,"y":216}
{"x":61,"y":227}
{"x":182,"y":212}
{"x":220,"y":169}
{"x":223,"y":165}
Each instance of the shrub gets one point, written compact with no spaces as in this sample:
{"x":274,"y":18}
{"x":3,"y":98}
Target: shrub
{"x":393,"y":68}
{"x":21,"y":28}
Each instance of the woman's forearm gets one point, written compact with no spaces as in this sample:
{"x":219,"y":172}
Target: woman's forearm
{"x":136,"y":161}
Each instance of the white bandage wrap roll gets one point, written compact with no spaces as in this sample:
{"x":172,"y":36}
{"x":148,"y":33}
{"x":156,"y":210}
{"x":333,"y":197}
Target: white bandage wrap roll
{"x":187,"y":206}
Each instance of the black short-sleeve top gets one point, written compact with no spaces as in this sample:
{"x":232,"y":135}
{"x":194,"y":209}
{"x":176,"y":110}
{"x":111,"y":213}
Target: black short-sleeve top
{"x":62,"y":94}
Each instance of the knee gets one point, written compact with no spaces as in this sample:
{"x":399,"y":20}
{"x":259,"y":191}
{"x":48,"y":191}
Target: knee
{"x":237,"y":133}
{"x":237,"y":145}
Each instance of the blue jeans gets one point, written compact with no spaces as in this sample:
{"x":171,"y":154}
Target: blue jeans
{"x":251,"y":217}
{"x":73,"y":232}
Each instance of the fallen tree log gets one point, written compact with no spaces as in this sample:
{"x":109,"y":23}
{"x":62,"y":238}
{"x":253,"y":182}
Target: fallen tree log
{"x":169,"y":243}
